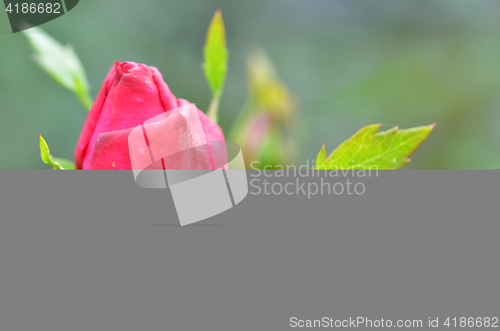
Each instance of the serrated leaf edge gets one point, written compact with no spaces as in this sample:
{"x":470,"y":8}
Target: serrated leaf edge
{"x":373,"y":131}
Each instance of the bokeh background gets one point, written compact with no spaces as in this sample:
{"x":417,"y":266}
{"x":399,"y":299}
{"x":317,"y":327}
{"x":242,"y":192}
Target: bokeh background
{"x":350,"y":62}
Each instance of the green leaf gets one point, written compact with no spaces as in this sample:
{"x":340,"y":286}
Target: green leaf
{"x":56,"y":163}
{"x":368,"y":149}
{"x":216,"y":54}
{"x":216,"y":58}
{"x":321,"y":159}
{"x":59,"y":62}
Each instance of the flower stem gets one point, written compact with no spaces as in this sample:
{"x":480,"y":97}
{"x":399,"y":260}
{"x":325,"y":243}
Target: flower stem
{"x":85,"y":100}
{"x":212,"y":112}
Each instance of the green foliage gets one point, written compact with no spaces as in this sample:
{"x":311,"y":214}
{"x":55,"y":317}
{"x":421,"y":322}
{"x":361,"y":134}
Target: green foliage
{"x":268,"y":93}
{"x":266,"y":128}
{"x":369,"y":149}
{"x":56,"y":163}
{"x":59,"y":62}
{"x":216,"y":58}
{"x":216,"y":54}
{"x":272,"y":152}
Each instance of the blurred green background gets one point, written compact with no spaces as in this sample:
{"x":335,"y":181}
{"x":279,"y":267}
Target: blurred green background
{"x":351,"y":63}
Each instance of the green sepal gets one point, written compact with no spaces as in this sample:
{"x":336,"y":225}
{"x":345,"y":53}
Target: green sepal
{"x":55,"y":162}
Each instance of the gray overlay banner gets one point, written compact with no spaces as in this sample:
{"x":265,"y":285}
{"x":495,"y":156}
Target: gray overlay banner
{"x":91,"y":250}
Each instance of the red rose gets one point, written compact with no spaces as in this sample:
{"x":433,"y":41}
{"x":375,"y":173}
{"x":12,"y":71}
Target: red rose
{"x":130,"y":95}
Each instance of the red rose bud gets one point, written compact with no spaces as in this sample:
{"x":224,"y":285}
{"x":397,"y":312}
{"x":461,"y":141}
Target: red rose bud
{"x":131,"y":95}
